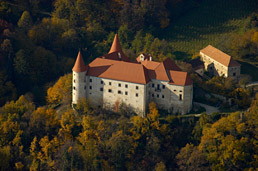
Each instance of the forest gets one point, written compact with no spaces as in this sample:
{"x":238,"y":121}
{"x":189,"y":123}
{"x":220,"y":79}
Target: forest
{"x":39,"y":41}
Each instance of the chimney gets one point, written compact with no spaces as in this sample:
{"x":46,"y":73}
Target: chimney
{"x":119,"y":55}
{"x":150,"y":58}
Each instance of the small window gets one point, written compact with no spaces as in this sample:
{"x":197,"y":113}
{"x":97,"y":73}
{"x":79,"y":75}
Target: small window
{"x":119,"y":85}
{"x":74,"y":88}
{"x":136,"y":94}
{"x":101,"y":82}
{"x":84,"y":87}
{"x":110,"y":90}
{"x":234,"y":74}
{"x":74,"y":81}
{"x":126,"y":86}
{"x":110,"y":83}
{"x":152,"y":95}
{"x":90,"y":87}
{"x":157,"y":95}
{"x":180,"y":97}
{"x":90,"y":80}
{"x":174,"y":90}
{"x":163,"y":96}
{"x":180,"y":91}
{"x":137,"y":87}
{"x":153,"y":85}
{"x":101,"y":89}
{"x":163,"y":86}
{"x":126,"y":93}
{"x":119,"y":92}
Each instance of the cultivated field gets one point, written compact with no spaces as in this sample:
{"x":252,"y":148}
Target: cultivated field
{"x":211,"y":22}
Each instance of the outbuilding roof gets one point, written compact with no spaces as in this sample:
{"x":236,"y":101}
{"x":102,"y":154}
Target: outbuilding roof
{"x":219,"y":56}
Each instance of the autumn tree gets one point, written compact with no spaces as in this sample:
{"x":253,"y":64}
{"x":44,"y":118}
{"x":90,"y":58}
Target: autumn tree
{"x":25,"y":22}
{"x":61,"y":91}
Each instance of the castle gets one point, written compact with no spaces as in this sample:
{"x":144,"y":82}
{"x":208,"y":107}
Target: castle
{"x":113,"y":79}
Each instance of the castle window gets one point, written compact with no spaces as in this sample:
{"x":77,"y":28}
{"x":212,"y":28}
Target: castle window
{"x":110,"y":90}
{"x":101,"y":82}
{"x":90,"y":80}
{"x":126,"y":86}
{"x":119,"y":92}
{"x":110,"y":83}
{"x":174,"y":90}
{"x":137,"y":87}
{"x":101,"y":89}
{"x":74,"y":81}
{"x":157,"y":95}
{"x":126,"y":93}
{"x":163,"y":96}
{"x":119,"y":85}
{"x":180,"y":97}
{"x":163,"y":86}
{"x":136,"y":94}
{"x":90,"y":87}
{"x":153,"y":85}
{"x":74,"y":88}
{"x":180,"y":91}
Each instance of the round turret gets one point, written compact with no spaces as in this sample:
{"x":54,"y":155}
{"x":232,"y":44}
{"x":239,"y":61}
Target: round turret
{"x":79,"y":79}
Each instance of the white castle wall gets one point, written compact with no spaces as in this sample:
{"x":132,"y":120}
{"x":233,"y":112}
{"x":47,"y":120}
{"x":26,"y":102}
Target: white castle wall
{"x":107,"y":93}
{"x":79,"y":86}
{"x":168,"y":97}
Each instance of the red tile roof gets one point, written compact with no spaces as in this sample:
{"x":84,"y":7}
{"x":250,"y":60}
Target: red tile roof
{"x":116,"y":47}
{"x":180,"y":78}
{"x":116,"y":66}
{"x":150,"y":64}
{"x":79,"y":65}
{"x":115,"y":52}
{"x":118,"y":70}
{"x":219,"y":56}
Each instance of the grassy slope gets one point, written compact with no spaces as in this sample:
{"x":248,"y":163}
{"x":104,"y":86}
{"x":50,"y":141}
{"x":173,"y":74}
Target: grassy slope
{"x":212,"y":22}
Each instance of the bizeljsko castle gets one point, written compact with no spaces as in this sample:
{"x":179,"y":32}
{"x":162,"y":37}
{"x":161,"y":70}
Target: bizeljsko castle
{"x":113,"y":79}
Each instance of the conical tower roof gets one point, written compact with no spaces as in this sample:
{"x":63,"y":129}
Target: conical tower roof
{"x":116,"y":47}
{"x":79,"y":65}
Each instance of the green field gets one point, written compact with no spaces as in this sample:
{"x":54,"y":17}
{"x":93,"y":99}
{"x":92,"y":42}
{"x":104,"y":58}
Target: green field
{"x":211,"y":22}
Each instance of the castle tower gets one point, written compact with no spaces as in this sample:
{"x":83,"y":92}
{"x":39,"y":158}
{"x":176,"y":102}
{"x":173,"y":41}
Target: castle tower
{"x":79,"y":79}
{"x":116,"y":47}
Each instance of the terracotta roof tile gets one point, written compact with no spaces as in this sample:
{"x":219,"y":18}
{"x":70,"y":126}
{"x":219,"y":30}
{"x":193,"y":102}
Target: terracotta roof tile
{"x":79,"y":65}
{"x":234,"y":63}
{"x":150,"y":64}
{"x":116,"y":47}
{"x":118,"y":70}
{"x":119,"y":56}
{"x":217,"y":55}
{"x":180,"y":78}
